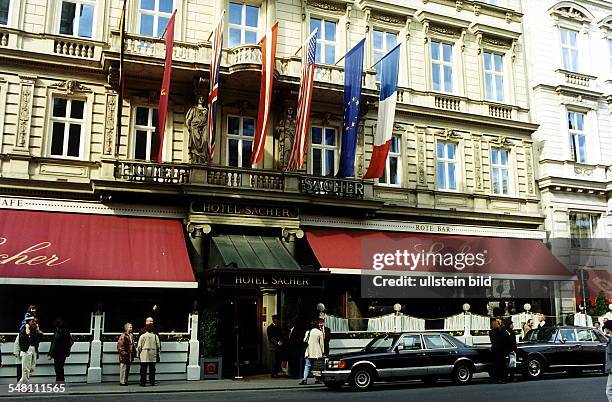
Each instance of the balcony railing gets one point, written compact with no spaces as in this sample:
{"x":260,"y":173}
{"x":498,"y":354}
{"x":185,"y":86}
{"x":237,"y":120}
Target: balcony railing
{"x":152,"y":172}
{"x":236,"y":178}
{"x":573,"y":78}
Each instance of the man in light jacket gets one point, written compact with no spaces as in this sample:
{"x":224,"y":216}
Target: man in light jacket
{"x":315,"y":345}
{"x":149,"y":348}
{"x":608,"y":368}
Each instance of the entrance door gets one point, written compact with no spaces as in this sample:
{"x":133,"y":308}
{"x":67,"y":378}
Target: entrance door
{"x":241,"y":335}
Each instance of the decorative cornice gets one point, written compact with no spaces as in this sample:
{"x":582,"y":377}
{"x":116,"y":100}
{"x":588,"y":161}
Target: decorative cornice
{"x":71,"y":87}
{"x":328,"y":5}
{"x":501,"y":141}
{"x":569,"y":11}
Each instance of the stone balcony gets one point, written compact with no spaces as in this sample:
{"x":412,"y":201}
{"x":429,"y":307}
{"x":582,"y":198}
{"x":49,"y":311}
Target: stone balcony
{"x":233,"y":179}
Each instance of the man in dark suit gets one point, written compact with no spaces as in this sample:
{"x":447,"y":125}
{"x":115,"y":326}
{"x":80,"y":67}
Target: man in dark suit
{"x":276,"y":341}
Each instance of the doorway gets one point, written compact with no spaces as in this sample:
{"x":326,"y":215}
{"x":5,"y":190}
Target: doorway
{"x":241,"y":334}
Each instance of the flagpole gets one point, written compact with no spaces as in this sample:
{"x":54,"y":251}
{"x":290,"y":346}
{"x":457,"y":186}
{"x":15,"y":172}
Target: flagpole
{"x":213,"y":30}
{"x":306,"y":41}
{"x":166,"y":28}
{"x":379,"y":60}
{"x":340,"y":59}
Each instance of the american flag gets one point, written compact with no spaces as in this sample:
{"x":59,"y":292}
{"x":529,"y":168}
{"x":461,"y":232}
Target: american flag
{"x":215,"y":65}
{"x":296,"y":161}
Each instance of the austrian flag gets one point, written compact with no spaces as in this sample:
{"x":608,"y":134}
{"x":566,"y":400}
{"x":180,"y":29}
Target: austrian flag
{"x":268,"y":57}
{"x":389,"y":69}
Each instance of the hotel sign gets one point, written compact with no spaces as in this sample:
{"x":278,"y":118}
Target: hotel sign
{"x":226,"y":208}
{"x":332,"y":187}
{"x":265,"y":280}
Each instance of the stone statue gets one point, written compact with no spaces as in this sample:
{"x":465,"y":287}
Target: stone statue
{"x":197,"y":125}
{"x":286,"y":134}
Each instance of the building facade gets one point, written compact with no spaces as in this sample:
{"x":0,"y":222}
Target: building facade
{"x":569,"y":80}
{"x":462,"y":161}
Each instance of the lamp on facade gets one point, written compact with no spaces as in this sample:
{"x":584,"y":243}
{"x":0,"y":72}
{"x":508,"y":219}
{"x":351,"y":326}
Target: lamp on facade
{"x":321,"y":310}
{"x":466,"y":308}
{"x":398,"y":308}
{"x":527,"y":307}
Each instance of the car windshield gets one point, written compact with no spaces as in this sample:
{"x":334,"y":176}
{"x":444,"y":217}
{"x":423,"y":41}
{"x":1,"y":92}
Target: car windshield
{"x":381,"y":343}
{"x":541,"y":335}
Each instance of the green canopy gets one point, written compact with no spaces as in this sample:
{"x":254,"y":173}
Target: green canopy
{"x":251,"y":252}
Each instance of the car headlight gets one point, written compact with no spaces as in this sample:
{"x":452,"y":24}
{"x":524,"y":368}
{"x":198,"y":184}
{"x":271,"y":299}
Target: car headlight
{"x":336,"y":364}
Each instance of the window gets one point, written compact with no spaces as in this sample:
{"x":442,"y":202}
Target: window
{"x":499,"y":171}
{"x":447,"y":162}
{"x":583,"y":228}
{"x":391,"y":174}
{"x":585,"y":335}
{"x":569,"y":49}
{"x":146,"y":138}
{"x":323,"y":151}
{"x":240,"y":133}
{"x":411,"y":342}
{"x":436,"y":342}
{"x":243,"y":23}
{"x":5,"y":6}
{"x":326,"y":40}
{"x":494,"y":76}
{"x":67,"y":122}
{"x":442,"y":66}
{"x":153,"y":16}
{"x":566,"y":335}
{"x":77,"y":18}
{"x":383,"y":42}
{"x":577,"y":136}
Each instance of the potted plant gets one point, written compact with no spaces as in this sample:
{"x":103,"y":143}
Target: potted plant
{"x":211,"y":360}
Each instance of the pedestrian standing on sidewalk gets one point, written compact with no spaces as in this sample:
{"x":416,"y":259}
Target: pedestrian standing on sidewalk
{"x":148,"y":321}
{"x":276,"y":342}
{"x":510,"y":346}
{"x":28,"y":339}
{"x":608,"y":367}
{"x":30,"y":313}
{"x":60,"y":349}
{"x":315,"y":345}
{"x":149,"y":349}
{"x":498,"y":351}
{"x":125,"y":347}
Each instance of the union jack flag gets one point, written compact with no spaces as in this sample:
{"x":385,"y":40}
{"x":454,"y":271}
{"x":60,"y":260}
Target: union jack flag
{"x":296,"y":161}
{"x":213,"y":96}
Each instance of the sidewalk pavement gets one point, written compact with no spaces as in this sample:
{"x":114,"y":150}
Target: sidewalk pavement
{"x":249,"y":383}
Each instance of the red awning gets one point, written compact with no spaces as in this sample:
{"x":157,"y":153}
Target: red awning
{"x":349,"y":251}
{"x":50,"y":248}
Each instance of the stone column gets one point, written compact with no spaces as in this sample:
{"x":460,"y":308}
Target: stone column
{"x":196,"y":236}
{"x":94,"y":372}
{"x":193,"y":367}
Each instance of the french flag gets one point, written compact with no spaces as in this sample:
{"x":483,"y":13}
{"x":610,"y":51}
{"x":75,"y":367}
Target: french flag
{"x":389,"y":69}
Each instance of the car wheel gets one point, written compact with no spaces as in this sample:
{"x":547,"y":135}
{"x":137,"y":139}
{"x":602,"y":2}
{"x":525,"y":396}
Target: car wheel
{"x":534,"y":368}
{"x":574,"y":372}
{"x":334,"y":386}
{"x":462,"y":374}
{"x":361,"y":379}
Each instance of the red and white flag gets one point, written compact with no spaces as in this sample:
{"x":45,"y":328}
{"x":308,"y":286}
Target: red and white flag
{"x":296,"y":161}
{"x":165,"y":88}
{"x":268,"y":58}
{"x":213,"y":95}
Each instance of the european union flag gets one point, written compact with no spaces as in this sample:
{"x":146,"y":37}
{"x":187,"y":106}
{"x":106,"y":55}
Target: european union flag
{"x":353,"y":73}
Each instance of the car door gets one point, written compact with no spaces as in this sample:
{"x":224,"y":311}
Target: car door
{"x":410,"y":357}
{"x":568,"y":349}
{"x":592,"y":348}
{"x":440,"y":354}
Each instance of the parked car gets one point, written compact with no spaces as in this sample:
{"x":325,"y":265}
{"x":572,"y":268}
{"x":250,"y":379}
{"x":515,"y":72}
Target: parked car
{"x":389,"y":357}
{"x":563,"y":348}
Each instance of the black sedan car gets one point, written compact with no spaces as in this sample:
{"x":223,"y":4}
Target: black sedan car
{"x":568,"y":348}
{"x":389,"y":357}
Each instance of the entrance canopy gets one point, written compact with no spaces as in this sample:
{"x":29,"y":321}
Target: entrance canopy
{"x":251,"y":252}
{"x":350,"y":251}
{"x":50,"y":248}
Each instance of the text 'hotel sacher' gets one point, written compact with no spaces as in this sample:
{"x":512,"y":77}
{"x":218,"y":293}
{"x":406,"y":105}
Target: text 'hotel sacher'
{"x":501,"y":130}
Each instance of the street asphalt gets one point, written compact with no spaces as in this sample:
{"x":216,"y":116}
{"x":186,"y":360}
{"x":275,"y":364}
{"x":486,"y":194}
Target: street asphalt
{"x":557,"y":388}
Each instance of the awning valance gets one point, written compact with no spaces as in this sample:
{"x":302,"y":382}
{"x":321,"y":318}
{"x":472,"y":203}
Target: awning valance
{"x":251,"y":252}
{"x":51,"y":248}
{"x":350,"y":251}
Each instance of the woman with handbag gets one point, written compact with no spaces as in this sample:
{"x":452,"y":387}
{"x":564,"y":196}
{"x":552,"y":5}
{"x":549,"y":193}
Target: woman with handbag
{"x":511,"y":348}
{"x":149,"y":348}
{"x":314,"y":342}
